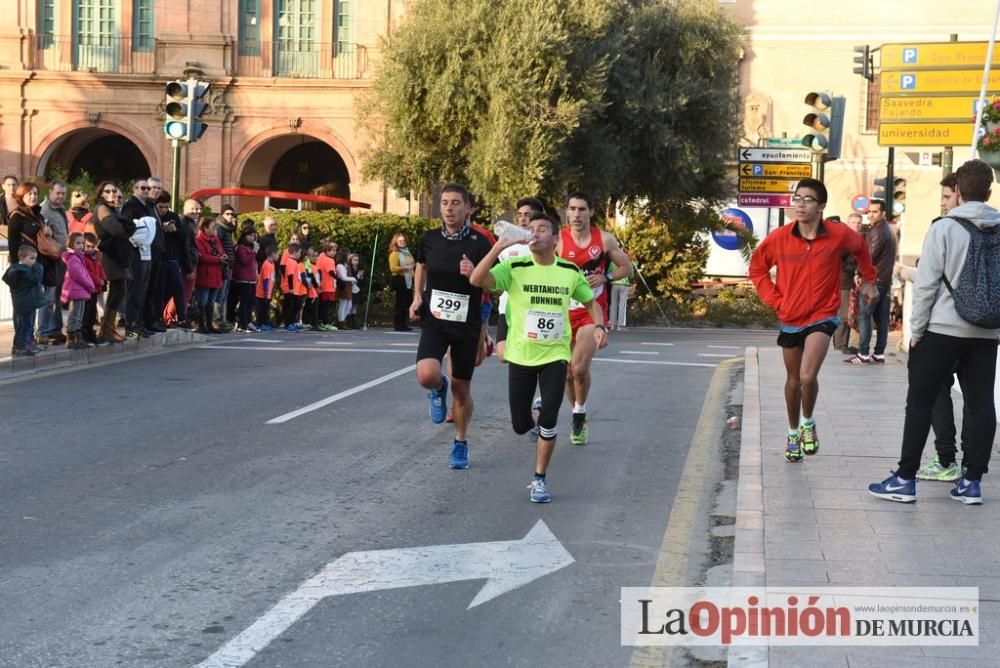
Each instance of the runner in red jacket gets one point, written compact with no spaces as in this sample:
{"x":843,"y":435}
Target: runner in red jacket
{"x":806,"y":298}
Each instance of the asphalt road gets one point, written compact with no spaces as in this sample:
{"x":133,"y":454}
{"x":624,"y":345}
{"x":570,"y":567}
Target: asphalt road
{"x":150,"y":514}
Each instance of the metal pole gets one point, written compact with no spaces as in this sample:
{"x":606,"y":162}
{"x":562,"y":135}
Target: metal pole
{"x":175,"y":176}
{"x":890,"y":188}
{"x":371,"y":277}
{"x":652,"y":296}
{"x":986,"y":81}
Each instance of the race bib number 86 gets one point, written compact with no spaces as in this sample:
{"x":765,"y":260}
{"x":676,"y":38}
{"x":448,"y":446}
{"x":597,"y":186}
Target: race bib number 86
{"x":542,"y":326}
{"x":450,"y":306}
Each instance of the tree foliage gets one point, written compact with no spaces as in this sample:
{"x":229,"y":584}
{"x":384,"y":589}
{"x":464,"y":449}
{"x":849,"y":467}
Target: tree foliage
{"x":634,"y":101}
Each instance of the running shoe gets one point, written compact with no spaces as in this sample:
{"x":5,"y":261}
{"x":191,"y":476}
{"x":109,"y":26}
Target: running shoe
{"x":252,"y":327}
{"x":266,"y":328}
{"x":967,"y":491}
{"x":878,"y":359}
{"x":439,"y":403}
{"x":580,"y":430}
{"x":294,"y":329}
{"x":934,"y":471}
{"x":536,"y":405}
{"x":539,"y":492}
{"x":809,"y":438}
{"x":793,"y":451}
{"x":857,"y":359}
{"x":459,"y":455}
{"x":894,"y":489}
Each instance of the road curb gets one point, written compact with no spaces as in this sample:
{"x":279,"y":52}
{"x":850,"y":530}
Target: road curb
{"x":748,"y":554}
{"x":18,"y":368}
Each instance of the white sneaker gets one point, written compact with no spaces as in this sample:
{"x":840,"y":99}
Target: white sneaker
{"x":509,"y":232}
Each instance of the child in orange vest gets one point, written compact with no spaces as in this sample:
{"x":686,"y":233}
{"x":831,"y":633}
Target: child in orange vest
{"x":265,"y":289}
{"x":326,"y":266}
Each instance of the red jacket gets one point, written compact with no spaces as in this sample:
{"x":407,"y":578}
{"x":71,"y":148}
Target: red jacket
{"x":808,"y":287}
{"x":210,"y":254}
{"x":96,"y":270}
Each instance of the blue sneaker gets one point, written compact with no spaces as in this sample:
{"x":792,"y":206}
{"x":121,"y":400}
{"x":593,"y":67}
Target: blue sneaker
{"x":266,"y":328}
{"x":439,"y":403}
{"x":894,"y":489}
{"x":967,"y":491}
{"x":294,"y":329}
{"x":459,"y":455}
{"x":539,"y":492}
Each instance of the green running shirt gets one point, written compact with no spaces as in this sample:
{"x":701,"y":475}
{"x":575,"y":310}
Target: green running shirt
{"x":538,"y":328}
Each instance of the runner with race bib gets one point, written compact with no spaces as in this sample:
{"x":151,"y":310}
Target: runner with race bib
{"x":589,"y":248}
{"x":451,"y":315}
{"x":539,"y":289}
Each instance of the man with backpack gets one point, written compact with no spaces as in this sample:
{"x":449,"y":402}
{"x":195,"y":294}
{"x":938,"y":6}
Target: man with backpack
{"x":955,"y":322}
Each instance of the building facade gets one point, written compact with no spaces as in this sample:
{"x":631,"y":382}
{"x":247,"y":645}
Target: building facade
{"x":82,"y":88}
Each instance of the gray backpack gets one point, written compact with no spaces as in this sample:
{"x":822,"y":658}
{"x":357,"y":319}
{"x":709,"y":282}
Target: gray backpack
{"x":976,"y":297}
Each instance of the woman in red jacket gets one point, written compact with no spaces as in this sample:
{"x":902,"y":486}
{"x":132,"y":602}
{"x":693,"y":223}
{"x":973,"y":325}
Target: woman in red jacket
{"x":208,"y":281}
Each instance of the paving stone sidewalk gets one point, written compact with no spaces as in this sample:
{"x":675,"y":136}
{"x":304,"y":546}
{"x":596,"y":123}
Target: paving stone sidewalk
{"x":814,"y":523}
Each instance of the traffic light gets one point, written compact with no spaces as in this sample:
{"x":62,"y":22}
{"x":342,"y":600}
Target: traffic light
{"x":863,"y":62}
{"x":826,"y":124}
{"x":898,"y":200}
{"x":184,"y":108}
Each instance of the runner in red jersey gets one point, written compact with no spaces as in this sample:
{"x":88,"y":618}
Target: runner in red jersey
{"x":589,"y":248}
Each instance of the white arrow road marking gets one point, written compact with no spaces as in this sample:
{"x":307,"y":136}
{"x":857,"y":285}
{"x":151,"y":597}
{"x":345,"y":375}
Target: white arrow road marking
{"x":505,"y":565}
{"x":340,"y":395}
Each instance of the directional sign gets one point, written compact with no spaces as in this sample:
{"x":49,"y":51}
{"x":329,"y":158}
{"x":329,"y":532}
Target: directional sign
{"x":925,"y":134}
{"x":915,"y":82}
{"x":505,"y":565}
{"x":936,"y":55}
{"x":776,"y":170}
{"x":916,"y":109}
{"x":774,"y":155}
{"x":767,"y":185}
{"x":763,"y":201}
{"x":784,"y":142}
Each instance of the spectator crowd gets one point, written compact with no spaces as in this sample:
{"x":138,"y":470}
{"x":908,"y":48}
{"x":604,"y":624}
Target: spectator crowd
{"x":107,"y":267}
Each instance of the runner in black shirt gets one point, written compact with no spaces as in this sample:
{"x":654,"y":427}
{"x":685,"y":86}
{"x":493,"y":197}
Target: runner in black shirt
{"x":450,"y":310}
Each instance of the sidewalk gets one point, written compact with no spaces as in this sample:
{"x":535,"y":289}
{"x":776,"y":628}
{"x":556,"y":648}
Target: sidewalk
{"x":56,"y":357}
{"x":814,"y":523}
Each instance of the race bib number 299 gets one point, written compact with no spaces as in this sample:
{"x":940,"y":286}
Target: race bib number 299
{"x":450,"y":306}
{"x":542,"y":326}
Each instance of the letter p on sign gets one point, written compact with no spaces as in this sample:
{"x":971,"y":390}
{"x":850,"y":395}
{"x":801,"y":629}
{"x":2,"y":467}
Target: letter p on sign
{"x":909,"y":55}
{"x":908,"y":81}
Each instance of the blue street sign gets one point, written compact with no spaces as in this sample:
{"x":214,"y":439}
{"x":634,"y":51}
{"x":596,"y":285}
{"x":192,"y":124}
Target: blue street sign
{"x":733,"y":218}
{"x":907,"y":81}
{"x":758,"y":170}
{"x":909,"y":55}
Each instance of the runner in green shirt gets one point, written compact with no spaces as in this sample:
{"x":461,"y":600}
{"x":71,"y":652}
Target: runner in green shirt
{"x":539,"y":289}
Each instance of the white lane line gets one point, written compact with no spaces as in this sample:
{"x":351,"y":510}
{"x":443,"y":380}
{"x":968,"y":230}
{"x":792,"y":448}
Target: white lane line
{"x":403,"y":344}
{"x":335,"y":343}
{"x":638,"y":352}
{"x":341,"y":395}
{"x":725,"y":355}
{"x":315,"y":350}
{"x":649,"y":343}
{"x":726,"y":347}
{"x":626,"y":361}
{"x":255,"y":340}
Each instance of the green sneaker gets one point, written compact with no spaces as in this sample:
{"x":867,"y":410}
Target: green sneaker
{"x":580,"y":430}
{"x":793,"y":453}
{"x":809,"y":438}
{"x":934,"y":471}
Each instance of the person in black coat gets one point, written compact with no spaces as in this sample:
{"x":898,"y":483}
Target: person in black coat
{"x":114,"y":231}
{"x":176,"y":257}
{"x":25,"y":225}
{"x":137,"y":206}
